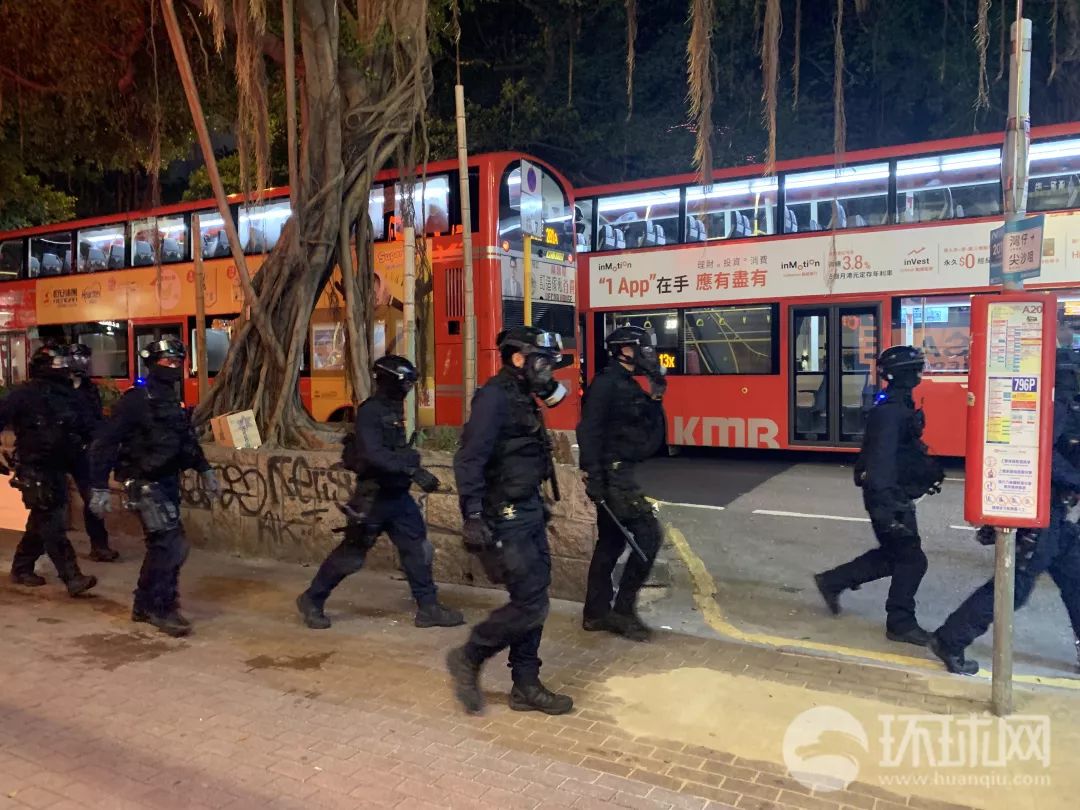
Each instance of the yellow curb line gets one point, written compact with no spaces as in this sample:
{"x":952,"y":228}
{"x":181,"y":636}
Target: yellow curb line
{"x":704,"y":587}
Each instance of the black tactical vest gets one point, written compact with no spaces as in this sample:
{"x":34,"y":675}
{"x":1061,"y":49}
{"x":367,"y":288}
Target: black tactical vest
{"x":49,"y":433}
{"x":520,"y":460}
{"x":161,"y":445}
{"x":636,"y":428}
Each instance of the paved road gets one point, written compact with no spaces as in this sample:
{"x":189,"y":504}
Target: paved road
{"x":763,"y":562}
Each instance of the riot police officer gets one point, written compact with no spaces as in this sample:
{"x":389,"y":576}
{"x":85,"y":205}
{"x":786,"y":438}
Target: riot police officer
{"x":504,"y":458}
{"x":894,"y":469}
{"x":48,"y":430}
{"x":149,"y":441}
{"x":621,"y":425}
{"x":385,"y":465}
{"x":1055,"y":549}
{"x":89,"y":398}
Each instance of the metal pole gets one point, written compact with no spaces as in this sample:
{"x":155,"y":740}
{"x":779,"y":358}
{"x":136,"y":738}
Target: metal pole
{"x":469,"y":338}
{"x":1014,"y":183}
{"x":409,"y":316}
{"x":200,"y":311}
{"x":528,"y":280}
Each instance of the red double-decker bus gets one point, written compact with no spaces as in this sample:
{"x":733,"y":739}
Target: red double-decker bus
{"x":770,"y":297}
{"x":119,"y":282}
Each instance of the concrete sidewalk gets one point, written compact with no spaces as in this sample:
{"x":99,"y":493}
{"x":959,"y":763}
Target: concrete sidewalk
{"x":254,"y":710}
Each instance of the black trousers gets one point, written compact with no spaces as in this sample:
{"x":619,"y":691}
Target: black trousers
{"x":1056,"y":551}
{"x":46,"y":526}
{"x":519,"y":624}
{"x":636,"y":514}
{"x":157,"y":591}
{"x":899,"y":555}
{"x":398,"y":515}
{"x":95,"y":526}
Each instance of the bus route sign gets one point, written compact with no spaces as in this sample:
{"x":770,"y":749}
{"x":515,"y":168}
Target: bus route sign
{"x":1010,"y":410}
{"x":1016,"y":250}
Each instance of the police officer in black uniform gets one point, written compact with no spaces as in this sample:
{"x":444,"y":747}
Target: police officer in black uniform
{"x":504,"y":458}
{"x":894,"y":469}
{"x":621,"y":425}
{"x":89,"y":398}
{"x":149,"y":442}
{"x":385,"y":465}
{"x":48,"y":431}
{"x":1055,"y":549}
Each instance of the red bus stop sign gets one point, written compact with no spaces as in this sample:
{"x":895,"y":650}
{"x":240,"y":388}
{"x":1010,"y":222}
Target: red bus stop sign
{"x":1010,"y":410}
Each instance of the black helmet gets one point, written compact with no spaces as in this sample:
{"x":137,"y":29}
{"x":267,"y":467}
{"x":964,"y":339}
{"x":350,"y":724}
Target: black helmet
{"x":543,"y":355}
{"x":629,"y":336}
{"x":169,"y":347}
{"x":80,"y":357}
{"x":393,"y":368}
{"x":529,"y":339}
{"x":50,"y":359}
{"x":901,"y":358}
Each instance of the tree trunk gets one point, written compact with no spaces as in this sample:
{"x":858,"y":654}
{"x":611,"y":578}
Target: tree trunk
{"x":356,"y":115}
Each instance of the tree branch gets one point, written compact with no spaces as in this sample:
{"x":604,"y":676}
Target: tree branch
{"x":29,"y":84}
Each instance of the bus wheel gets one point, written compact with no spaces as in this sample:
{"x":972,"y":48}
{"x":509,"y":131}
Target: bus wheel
{"x":344,"y":414}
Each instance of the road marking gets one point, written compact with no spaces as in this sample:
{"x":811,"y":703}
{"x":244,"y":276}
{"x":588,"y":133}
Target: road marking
{"x":704,"y":587}
{"x":965,"y":528}
{"x":689,"y":505}
{"x":961,"y":480}
{"x":779,"y":513}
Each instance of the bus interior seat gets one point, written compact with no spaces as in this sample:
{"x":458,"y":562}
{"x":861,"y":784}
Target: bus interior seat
{"x":610,"y":238}
{"x":67,"y":261}
{"x":958,"y":211}
{"x":814,"y":225}
{"x":144,"y":253}
{"x":95,"y":260}
{"x":256,"y":241}
{"x":740,"y":227}
{"x":791,"y":222}
{"x":859,"y":221}
{"x":216,"y":245}
{"x":116,"y":257}
{"x":35,"y":267}
{"x":171,"y":250}
{"x":839,"y":217}
{"x":653,"y":235}
{"x":51,"y":265}
{"x":695,"y":229}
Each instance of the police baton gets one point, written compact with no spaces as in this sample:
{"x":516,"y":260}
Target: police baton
{"x":629,"y":535}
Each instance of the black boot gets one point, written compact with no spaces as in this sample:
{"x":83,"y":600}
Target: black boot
{"x":140,"y":615}
{"x":915,"y":635}
{"x":80,"y":584}
{"x":30,"y":580}
{"x":466,"y":677}
{"x":312,"y":612}
{"x":628,"y":626}
{"x":172,"y":624}
{"x":831,"y":596}
{"x":535,"y":697}
{"x":954,"y":662}
{"x":437,"y":615}
{"x":105,"y":555}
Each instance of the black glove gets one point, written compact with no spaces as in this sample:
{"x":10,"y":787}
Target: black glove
{"x":986,"y":536}
{"x":476,"y":534}
{"x":657,"y":387}
{"x":425,"y":480}
{"x":594,"y":488}
{"x":411,"y":458}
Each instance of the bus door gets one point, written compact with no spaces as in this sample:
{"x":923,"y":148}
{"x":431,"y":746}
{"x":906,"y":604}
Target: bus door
{"x":13,"y":360}
{"x":148,"y":333}
{"x":832,"y":372}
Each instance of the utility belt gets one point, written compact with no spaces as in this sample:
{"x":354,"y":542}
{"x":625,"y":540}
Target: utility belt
{"x":156,"y":510}
{"x":41,"y":489}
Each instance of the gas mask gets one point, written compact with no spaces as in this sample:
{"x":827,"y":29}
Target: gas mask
{"x":539,"y":372}
{"x":166,"y":374}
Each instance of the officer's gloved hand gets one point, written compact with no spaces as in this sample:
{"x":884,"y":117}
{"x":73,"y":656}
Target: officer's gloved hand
{"x":476,"y":534}
{"x":986,"y":535}
{"x":211,"y":483}
{"x":657,"y":387}
{"x":594,"y":488}
{"x":100,"y":502}
{"x":411,"y":458}
{"x":425,"y":480}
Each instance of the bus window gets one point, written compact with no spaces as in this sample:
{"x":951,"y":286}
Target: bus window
{"x":940,"y":325}
{"x":108,"y":340}
{"x":1068,"y":318}
{"x":1054,"y":182}
{"x":434,"y":219}
{"x":13,"y":358}
{"x":218,"y":335}
{"x":848,"y":197}
{"x":212,"y":235}
{"x":556,"y":215}
{"x":730,"y":340}
{"x":583,"y":225}
{"x":12,"y":259}
{"x":169,"y":234}
{"x":101,"y":249}
{"x":260,"y":225}
{"x":376,"y":212}
{"x":954,"y":186}
{"x":50,"y":255}
{"x":736,"y":209}
{"x":664,"y":325}
{"x":640,"y":219}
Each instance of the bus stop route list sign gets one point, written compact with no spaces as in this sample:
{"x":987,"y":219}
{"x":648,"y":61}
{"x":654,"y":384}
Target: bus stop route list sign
{"x":1016,"y":250}
{"x":1010,"y":413}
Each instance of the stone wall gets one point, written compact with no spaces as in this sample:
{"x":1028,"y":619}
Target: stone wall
{"x":282,"y":505}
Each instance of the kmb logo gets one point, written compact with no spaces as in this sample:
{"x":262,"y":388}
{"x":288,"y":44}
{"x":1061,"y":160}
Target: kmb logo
{"x":720,"y":431}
